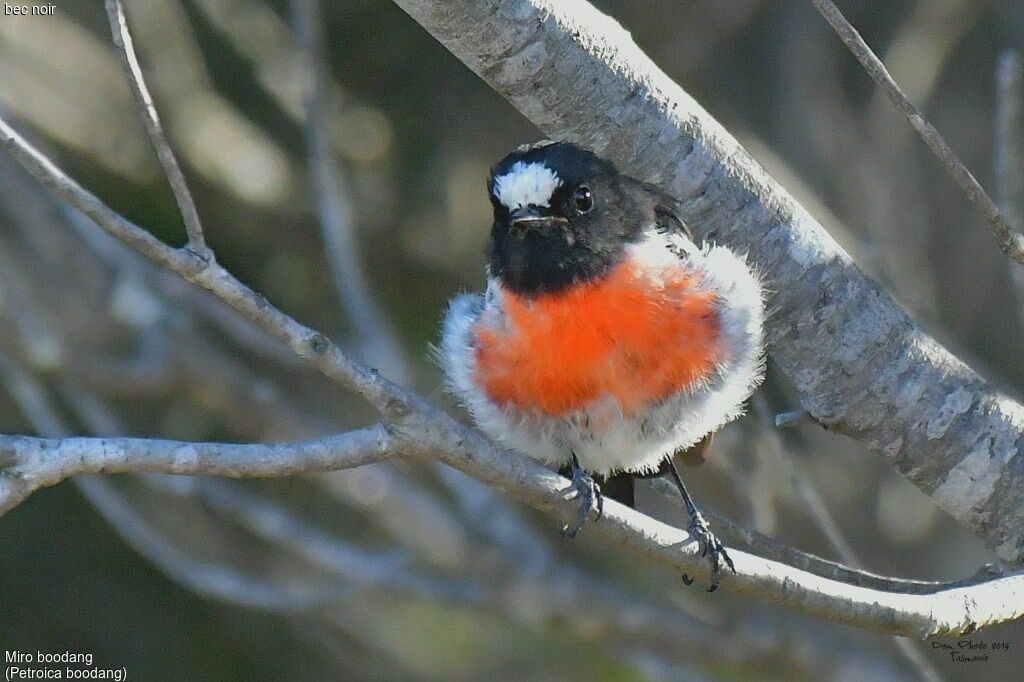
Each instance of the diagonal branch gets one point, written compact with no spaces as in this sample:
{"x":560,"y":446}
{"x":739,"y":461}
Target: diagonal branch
{"x":1010,"y":241}
{"x":130,"y":62}
{"x":770,"y":548}
{"x":859,"y":364}
{"x":308,"y":344}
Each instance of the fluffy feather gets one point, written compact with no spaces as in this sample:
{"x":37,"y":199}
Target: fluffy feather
{"x":526,"y":184}
{"x":606,"y":435}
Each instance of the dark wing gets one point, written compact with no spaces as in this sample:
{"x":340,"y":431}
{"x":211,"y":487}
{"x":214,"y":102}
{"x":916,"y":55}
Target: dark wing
{"x":665,"y":214}
{"x":619,"y":487}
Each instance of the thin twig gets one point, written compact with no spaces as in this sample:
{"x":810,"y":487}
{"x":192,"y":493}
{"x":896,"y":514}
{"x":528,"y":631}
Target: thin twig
{"x":1009,"y":129}
{"x":308,"y":344}
{"x":180,"y":292}
{"x":387,"y":570}
{"x":1010,"y":241}
{"x":826,"y":523}
{"x":1008,"y":153}
{"x":130,"y":61}
{"x":771,"y":548}
{"x":378,"y":342}
{"x":211,"y":579}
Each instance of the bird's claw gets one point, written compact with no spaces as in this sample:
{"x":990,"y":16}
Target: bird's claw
{"x":711,"y":547}
{"x":586,"y":489}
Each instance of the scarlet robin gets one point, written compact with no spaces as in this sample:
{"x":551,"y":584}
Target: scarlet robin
{"x":607,"y":341}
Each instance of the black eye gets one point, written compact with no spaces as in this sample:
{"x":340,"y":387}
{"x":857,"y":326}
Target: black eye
{"x":583,"y":199}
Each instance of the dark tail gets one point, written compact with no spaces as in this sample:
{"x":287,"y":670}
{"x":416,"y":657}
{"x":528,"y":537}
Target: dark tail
{"x":619,"y":487}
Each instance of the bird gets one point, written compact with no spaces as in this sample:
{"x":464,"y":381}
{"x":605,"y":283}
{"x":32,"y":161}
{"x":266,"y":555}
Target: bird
{"x":607,"y":341}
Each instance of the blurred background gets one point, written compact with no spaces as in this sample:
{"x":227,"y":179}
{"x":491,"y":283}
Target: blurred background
{"x":407,"y":571}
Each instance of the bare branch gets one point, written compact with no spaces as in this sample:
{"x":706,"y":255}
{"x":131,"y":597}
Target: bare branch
{"x":377,"y":339}
{"x":130,"y":61}
{"x":216,"y":580}
{"x":28,"y":464}
{"x":770,"y":548}
{"x":1010,"y":241}
{"x":537,"y":587}
{"x":949,"y":610}
{"x":388,"y":570}
{"x":313,"y":346}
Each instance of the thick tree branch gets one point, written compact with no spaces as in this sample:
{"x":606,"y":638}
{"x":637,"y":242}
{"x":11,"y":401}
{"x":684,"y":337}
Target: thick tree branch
{"x":859,"y":364}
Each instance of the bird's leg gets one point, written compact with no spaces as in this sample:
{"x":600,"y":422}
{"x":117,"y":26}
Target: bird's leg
{"x":711,"y":546}
{"x":586,"y":489}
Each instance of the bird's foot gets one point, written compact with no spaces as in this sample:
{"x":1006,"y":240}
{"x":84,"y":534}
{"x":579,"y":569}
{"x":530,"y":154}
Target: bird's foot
{"x":711,"y":547}
{"x":586,"y":489}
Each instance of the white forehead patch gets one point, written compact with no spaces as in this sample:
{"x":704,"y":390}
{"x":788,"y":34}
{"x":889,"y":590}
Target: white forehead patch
{"x":525,"y":184}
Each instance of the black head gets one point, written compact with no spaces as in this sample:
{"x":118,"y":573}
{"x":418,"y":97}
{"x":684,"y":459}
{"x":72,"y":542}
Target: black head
{"x":563,"y":215}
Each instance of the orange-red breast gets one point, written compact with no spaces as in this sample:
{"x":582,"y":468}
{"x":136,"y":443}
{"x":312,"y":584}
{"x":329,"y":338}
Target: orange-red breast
{"x":607,"y":340}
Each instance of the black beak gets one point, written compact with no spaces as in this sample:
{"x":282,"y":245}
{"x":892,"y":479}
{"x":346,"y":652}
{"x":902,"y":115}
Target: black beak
{"x":531,"y":218}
